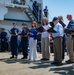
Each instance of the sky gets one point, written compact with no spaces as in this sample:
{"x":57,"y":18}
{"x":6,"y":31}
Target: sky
{"x":59,"y":7}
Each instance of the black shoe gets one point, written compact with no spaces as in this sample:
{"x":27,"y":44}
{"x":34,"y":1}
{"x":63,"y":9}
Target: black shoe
{"x":54,"y":63}
{"x":69,"y":62}
{"x":12,"y":57}
{"x":24,"y":58}
{"x":46,"y":59}
{"x":43,"y":59}
{"x":58,"y":64}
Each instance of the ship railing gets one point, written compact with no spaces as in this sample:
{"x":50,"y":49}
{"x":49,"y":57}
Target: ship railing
{"x":36,"y":13}
{"x":48,"y":15}
{"x":18,"y":2}
{"x":11,"y":4}
{"x":21,"y":2}
{"x":31,"y":11}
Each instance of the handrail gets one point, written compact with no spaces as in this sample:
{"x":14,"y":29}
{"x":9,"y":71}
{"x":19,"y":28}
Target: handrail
{"x":49,"y":16}
{"x":30,"y":9}
{"x":36,"y":13}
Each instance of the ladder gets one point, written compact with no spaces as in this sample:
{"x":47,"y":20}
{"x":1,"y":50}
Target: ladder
{"x":29,"y":13}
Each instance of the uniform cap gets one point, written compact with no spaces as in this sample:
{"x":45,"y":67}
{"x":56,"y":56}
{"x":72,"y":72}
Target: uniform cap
{"x":24,"y":23}
{"x":14,"y":23}
{"x":55,"y":18}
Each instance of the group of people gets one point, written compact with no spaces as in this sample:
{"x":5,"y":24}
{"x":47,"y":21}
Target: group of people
{"x":61,"y":40}
{"x":28,"y":38}
{"x":25,"y":34}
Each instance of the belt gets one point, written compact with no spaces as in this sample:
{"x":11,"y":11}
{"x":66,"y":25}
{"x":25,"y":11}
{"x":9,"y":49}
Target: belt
{"x":14,"y":35}
{"x":58,"y":37}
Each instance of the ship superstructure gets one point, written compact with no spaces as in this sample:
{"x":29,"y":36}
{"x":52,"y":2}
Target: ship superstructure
{"x":19,"y":11}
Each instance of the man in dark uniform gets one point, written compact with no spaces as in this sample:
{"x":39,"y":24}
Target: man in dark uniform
{"x":3,"y":40}
{"x":24,"y":40}
{"x":14,"y":41}
{"x":46,"y":11}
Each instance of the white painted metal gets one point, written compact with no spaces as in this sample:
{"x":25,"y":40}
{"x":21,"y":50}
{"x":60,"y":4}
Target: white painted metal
{"x":9,"y":10}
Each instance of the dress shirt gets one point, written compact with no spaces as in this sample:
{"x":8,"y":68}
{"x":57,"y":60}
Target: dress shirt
{"x":59,"y":30}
